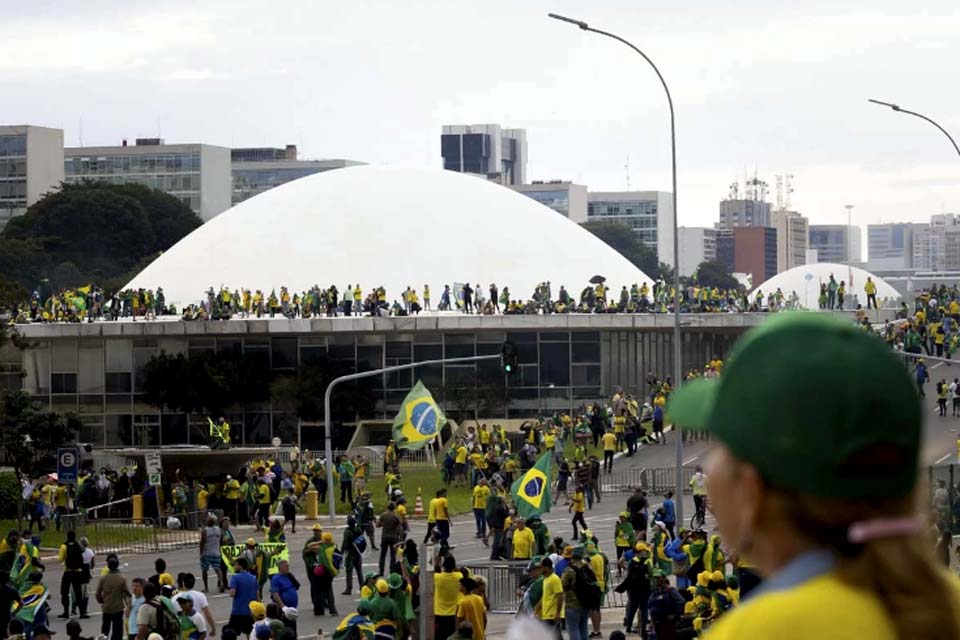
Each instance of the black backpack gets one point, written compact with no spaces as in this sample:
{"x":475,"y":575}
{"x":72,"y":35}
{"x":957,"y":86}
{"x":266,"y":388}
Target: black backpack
{"x":74,"y":556}
{"x":586,"y":588}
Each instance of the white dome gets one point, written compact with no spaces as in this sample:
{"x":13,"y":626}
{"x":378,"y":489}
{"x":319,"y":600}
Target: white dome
{"x":390,"y":227}
{"x":806,"y":279}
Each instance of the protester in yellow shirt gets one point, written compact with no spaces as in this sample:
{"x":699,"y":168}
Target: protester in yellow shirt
{"x":523,"y":541}
{"x":446,"y":597}
{"x":576,"y":507}
{"x":480,"y":494}
{"x":551,"y":602}
{"x":443,"y":518}
{"x":472,"y":608}
{"x":610,"y":441}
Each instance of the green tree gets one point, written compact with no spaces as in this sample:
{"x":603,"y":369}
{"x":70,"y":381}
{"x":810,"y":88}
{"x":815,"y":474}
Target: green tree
{"x":624,"y":241}
{"x":206,"y":383}
{"x":91,"y":231}
{"x":30,"y":435}
{"x":714,"y":274}
{"x":473,"y":398}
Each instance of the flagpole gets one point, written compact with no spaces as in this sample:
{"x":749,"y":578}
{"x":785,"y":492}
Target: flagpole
{"x":327,"y":419}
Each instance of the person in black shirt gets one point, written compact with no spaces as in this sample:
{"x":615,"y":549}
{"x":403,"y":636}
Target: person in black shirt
{"x":8,"y":596}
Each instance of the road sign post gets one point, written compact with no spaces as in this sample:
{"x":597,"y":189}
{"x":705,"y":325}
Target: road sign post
{"x":154,"y":475}
{"x":68,"y":465}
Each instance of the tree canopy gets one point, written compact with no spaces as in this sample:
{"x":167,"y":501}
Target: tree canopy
{"x":714,"y":274}
{"x":91,"y":232}
{"x":30,"y":435}
{"x":624,"y":241}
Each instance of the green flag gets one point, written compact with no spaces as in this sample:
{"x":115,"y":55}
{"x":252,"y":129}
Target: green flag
{"x":419,"y":420}
{"x":531,"y":492}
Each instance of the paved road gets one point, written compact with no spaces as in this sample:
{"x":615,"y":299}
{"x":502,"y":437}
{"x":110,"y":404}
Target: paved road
{"x":601,"y":520}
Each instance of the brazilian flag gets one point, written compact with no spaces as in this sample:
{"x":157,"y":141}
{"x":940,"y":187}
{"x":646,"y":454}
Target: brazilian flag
{"x":32,"y":598}
{"x":354,"y":627}
{"x":419,"y":421}
{"x":531,"y":492}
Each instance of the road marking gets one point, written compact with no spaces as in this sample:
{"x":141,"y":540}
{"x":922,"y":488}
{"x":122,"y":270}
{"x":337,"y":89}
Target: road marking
{"x":943,"y":458}
{"x":691,"y":460}
{"x":939,"y":364}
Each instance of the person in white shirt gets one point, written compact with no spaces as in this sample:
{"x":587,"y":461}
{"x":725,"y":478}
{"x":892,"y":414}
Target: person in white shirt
{"x":200,"y":604}
{"x":955,"y":394}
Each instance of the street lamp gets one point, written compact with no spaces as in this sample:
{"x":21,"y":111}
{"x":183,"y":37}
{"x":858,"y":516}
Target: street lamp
{"x":897,"y":107}
{"x":677,"y":369}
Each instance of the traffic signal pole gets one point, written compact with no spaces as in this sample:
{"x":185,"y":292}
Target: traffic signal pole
{"x":327,"y":419}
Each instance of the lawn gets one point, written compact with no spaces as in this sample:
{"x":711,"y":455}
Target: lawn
{"x":429,"y":481}
{"x":101,"y":536}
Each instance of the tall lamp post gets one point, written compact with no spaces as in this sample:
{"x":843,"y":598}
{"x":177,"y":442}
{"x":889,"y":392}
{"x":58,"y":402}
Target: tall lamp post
{"x":897,"y":107}
{"x":677,"y":368}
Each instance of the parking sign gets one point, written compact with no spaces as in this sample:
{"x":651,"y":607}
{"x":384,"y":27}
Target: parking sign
{"x":68,"y":465}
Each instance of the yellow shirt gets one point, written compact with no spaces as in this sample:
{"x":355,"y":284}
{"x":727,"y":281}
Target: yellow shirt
{"x":441,"y":509}
{"x":202,"y":496}
{"x":609,"y":442}
{"x":432,"y":510}
{"x":551,"y":606}
{"x":478,"y":461}
{"x":523,"y":543}
{"x":401,"y":511}
{"x":232,"y":489}
{"x":60,"y":497}
{"x":264,"y":492}
{"x":619,"y":424}
{"x":366,"y":592}
{"x":596,"y":565}
{"x":824,"y":607}
{"x":577,"y":502}
{"x":461,"y":455}
{"x":472,"y":609}
{"x":446,"y":593}
{"x":484,"y":436}
{"x":480,"y":493}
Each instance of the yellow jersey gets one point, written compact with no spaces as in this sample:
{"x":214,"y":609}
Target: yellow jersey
{"x":609,"y":442}
{"x":523,"y":541}
{"x":577,"y":502}
{"x":461,"y":455}
{"x":432,"y":510}
{"x":441,"y":509}
{"x":480,"y":493}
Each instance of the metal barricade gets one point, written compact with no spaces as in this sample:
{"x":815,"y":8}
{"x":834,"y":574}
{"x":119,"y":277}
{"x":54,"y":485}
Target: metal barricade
{"x":144,"y":536}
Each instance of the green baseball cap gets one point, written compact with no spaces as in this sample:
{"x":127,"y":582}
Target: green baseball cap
{"x":816,"y":405}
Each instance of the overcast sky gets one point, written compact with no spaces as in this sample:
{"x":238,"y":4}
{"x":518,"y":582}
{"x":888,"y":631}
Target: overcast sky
{"x":779,"y":87}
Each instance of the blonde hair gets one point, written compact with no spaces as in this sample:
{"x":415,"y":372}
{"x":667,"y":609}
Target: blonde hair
{"x":918,"y":594}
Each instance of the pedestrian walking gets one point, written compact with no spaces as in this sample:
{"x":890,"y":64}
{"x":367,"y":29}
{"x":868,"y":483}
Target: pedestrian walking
{"x":211,"y":539}
{"x":353,"y":540}
{"x":576,"y":508}
{"x":201,"y":605}
{"x":244,"y":589}
{"x":391,"y":525}
{"x":71,"y":583}
{"x":284,"y":590}
{"x":112,"y":594}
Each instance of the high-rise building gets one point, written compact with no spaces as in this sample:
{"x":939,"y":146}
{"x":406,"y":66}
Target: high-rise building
{"x":755,"y":252}
{"x":743,"y":213}
{"x":936,"y":246}
{"x":697,"y":244}
{"x":792,"y":238}
{"x":648,"y":213}
{"x":487,"y":150}
{"x":890,"y":246}
{"x":833,"y":244}
{"x":31,"y":164}
{"x":566,"y":198}
{"x":255,"y":170}
{"x":197,"y":174}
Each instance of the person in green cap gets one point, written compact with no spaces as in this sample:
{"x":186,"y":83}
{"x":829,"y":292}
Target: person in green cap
{"x":824,"y":507}
{"x":401,"y":595}
{"x":356,"y":626}
{"x":532,"y":587}
{"x":384,"y":612}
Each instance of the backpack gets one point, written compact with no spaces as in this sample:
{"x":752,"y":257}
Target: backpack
{"x":168,"y":626}
{"x":74,"y":557}
{"x":586,"y":588}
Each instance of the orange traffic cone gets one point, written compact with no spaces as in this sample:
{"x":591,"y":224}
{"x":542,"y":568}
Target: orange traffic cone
{"x":418,"y":505}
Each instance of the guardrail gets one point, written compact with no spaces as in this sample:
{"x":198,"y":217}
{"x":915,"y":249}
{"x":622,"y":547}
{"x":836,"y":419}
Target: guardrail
{"x":659,"y":480}
{"x":146,"y":535}
{"x":504,"y":580}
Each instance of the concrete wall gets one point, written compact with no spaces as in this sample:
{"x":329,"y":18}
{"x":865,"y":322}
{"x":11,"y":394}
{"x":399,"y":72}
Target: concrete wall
{"x":216,"y":181}
{"x":44,"y":161}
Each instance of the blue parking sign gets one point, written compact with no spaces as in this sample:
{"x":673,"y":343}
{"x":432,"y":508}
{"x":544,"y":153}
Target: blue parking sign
{"x":68,"y":465}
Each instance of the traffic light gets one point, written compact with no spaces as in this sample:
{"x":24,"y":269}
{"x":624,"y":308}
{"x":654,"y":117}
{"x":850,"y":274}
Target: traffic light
{"x":509,"y":360}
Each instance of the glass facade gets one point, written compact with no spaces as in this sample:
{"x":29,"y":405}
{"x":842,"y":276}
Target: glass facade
{"x":13,"y":176}
{"x":558,"y":200}
{"x":639,"y":215}
{"x":101,"y":379}
{"x":250,"y":182}
{"x":175,"y":173}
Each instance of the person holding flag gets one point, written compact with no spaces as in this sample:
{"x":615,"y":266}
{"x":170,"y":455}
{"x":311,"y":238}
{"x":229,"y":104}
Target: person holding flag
{"x":531,"y":491}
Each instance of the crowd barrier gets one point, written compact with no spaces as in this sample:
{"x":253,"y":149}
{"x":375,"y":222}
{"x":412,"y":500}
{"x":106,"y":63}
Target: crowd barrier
{"x":146,"y":535}
{"x":504,"y":580}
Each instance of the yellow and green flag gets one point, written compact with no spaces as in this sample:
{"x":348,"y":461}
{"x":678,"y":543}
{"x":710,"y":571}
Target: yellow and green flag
{"x":419,"y":421}
{"x":531,"y":492}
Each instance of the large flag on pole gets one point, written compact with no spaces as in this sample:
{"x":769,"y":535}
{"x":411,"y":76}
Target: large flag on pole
{"x":419,"y":421}
{"x":531,"y":492}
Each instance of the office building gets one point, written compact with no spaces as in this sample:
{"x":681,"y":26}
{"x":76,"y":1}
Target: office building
{"x":197,"y":174}
{"x":259,"y":169}
{"x":936,"y":246}
{"x":792,"y":239}
{"x":566,"y":198}
{"x":743,"y":213}
{"x":486,"y":149}
{"x":755,"y":252}
{"x":890,"y":246}
{"x":648,"y":213}
{"x":833,"y":244}
{"x":31,"y":164}
{"x":697,"y":244}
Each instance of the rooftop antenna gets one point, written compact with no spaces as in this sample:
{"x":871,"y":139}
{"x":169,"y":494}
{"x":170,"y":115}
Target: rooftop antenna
{"x":80,"y":135}
{"x":627,"y":168}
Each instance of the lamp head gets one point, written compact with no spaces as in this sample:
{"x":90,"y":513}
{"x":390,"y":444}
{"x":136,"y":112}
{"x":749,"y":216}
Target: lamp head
{"x":579,"y":23}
